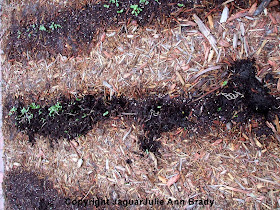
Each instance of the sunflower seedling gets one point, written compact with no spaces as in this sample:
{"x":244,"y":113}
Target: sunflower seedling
{"x":135,"y":9}
{"x":105,"y":113}
{"x":12,"y":111}
{"x":34,"y":106}
{"x":54,"y":109}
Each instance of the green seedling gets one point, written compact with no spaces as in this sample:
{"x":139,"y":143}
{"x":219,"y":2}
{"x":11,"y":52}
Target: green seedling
{"x":24,"y":111}
{"x":19,"y":33}
{"x":225,"y":83}
{"x":159,"y":107}
{"x":106,"y":5}
{"x":180,"y":5}
{"x":54,"y":109}
{"x":144,"y":2}
{"x":78,"y":99}
{"x":34,"y":106}
{"x":84,"y":115}
{"x":12,"y":111}
{"x":29,"y":117}
{"x":54,"y":26}
{"x":120,"y":11}
{"x":42,"y":28}
{"x":114,"y":2}
{"x":40,"y":112}
{"x":105,"y":113}
{"x":219,"y":109}
{"x":135,"y":9}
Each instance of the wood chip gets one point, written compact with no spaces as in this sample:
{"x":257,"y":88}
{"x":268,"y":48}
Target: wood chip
{"x":173,"y":180}
{"x":206,"y":32}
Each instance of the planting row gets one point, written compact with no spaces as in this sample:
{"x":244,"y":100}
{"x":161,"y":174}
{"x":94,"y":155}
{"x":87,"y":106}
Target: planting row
{"x":72,"y":31}
{"x":239,"y":99}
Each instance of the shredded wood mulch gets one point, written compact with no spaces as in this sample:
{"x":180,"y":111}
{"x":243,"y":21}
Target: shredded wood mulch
{"x":231,"y":163}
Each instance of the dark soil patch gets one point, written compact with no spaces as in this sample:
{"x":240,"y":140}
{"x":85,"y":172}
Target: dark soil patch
{"x":241,"y":99}
{"x":24,"y":190}
{"x":71,"y":31}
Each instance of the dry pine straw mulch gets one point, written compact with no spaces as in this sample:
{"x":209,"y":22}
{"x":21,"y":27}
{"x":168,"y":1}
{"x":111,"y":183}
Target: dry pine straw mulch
{"x":233,"y":167}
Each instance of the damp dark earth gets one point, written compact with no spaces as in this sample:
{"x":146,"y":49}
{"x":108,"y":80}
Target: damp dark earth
{"x":241,"y":99}
{"x":39,"y":32}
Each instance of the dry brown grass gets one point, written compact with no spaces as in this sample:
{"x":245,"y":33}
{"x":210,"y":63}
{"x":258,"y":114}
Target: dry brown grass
{"x":235,"y":169}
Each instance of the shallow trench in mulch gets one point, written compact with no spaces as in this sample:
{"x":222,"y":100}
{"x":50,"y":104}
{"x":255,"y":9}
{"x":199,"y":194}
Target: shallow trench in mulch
{"x":38,"y":32}
{"x":241,"y":99}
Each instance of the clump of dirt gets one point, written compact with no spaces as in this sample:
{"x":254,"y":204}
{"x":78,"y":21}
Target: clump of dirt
{"x":241,"y":98}
{"x":24,"y":190}
{"x":72,"y":31}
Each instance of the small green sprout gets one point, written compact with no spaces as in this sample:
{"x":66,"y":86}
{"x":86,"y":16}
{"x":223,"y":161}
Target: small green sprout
{"x":29,"y":117}
{"x":219,"y":109}
{"x":120,"y":11}
{"x":19,"y":33}
{"x":24,"y":110}
{"x":42,"y":28}
{"x":54,"y":109}
{"x":65,"y":131}
{"x":114,"y":2}
{"x":136,"y":9}
{"x":77,"y":120}
{"x":106,"y":5}
{"x":183,"y":112}
{"x":78,"y":99}
{"x":84,"y":115}
{"x":34,"y":106}
{"x":180,"y":5}
{"x":12,"y":111}
{"x":236,"y":115}
{"x":33,"y":25}
{"x":159,"y":107}
{"x":105,"y":113}
{"x":225,"y":83}
{"x":147,"y":151}
{"x":40,"y":112}
{"x":55,"y":26}
{"x":144,"y":2}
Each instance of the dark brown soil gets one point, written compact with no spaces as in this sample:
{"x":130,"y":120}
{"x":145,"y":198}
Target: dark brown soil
{"x":24,"y":190}
{"x":39,"y":32}
{"x":241,"y":99}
